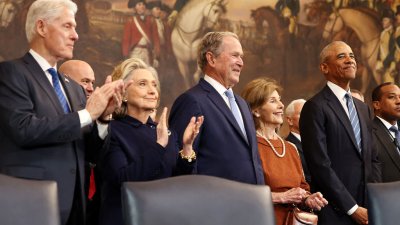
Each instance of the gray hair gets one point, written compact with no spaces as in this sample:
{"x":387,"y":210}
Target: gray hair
{"x":326,"y":50}
{"x":48,"y":10}
{"x":211,"y":42}
{"x":290,"y":108}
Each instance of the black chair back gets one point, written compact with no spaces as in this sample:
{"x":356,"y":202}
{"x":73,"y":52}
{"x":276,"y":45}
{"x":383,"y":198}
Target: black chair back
{"x":384,"y":203}
{"x":196,"y":200}
{"x":28,"y":202}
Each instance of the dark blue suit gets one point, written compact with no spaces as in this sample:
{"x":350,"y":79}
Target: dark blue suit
{"x":133,"y":154}
{"x":387,"y":151}
{"x":337,"y":168}
{"x":221,"y":148}
{"x":38,"y":140}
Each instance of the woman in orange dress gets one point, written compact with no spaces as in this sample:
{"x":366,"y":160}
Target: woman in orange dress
{"x":280,"y":160}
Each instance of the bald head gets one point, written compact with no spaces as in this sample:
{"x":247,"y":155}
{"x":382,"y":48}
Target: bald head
{"x":81,"y":72}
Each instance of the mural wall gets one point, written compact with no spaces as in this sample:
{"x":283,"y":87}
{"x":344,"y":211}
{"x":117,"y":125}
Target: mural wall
{"x":281,"y":39}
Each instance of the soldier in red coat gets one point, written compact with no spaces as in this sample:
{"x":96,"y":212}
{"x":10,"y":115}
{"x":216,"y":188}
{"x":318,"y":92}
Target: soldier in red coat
{"x":140,"y":38}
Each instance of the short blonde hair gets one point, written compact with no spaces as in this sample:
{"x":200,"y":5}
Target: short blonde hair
{"x":257,"y":91}
{"x":125,"y":70}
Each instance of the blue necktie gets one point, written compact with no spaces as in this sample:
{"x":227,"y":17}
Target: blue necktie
{"x":355,"y":123}
{"x":396,"y":135}
{"x":235,"y":110}
{"x":57,"y":89}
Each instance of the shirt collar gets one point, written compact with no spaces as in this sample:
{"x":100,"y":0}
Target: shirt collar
{"x":338,"y":91}
{"x":215,"y":84}
{"x":41,"y":61}
{"x":296,"y":135}
{"x":386,"y":123}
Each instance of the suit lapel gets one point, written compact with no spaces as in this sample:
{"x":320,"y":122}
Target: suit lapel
{"x":41,"y":78}
{"x":338,"y":110}
{"x":216,"y":98}
{"x":387,"y":141}
{"x":71,"y":94}
{"x":363,"y":126}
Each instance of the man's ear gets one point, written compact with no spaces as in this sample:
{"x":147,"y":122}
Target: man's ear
{"x":210,"y":59}
{"x":376,"y":105}
{"x":289,"y":121}
{"x":41,"y":28}
{"x":324,"y":68}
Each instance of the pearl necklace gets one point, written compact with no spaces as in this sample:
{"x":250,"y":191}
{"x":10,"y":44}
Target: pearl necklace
{"x":272,"y":147}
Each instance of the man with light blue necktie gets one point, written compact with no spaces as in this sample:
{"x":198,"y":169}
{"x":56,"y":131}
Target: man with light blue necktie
{"x":336,"y":136}
{"x":226,"y":145}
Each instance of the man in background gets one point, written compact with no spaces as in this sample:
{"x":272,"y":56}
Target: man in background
{"x":385,"y":129}
{"x":82,"y":73}
{"x":292,"y":112}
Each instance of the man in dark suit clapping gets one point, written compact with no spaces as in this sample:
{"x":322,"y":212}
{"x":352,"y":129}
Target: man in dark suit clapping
{"x":226,"y":145}
{"x":336,"y":131}
{"x":45,"y":119}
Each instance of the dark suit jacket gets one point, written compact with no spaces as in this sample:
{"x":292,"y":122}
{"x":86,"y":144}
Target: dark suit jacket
{"x":222,"y":149}
{"x":387,"y":152}
{"x":293,"y":139}
{"x":38,"y":140}
{"x":133,"y":154}
{"x":338,"y":170}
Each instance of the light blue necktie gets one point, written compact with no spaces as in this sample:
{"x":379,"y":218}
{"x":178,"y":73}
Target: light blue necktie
{"x":235,"y":110}
{"x":355,"y":123}
{"x":57,"y":89}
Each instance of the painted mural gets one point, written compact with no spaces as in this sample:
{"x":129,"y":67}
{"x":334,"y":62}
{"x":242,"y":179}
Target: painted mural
{"x":281,"y":38}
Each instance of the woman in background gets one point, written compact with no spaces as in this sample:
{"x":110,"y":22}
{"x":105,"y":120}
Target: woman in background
{"x":280,"y":160}
{"x":137,"y":148}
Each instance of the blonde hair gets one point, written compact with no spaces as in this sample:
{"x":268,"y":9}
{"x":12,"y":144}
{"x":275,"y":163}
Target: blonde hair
{"x":125,"y":71}
{"x":257,"y":91}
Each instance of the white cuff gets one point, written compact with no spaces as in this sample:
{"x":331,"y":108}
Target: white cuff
{"x":84,"y":117}
{"x":352,"y":210}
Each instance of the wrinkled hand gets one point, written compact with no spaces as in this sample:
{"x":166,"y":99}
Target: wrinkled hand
{"x":98,"y":100}
{"x":316,"y":201}
{"x":116,"y":100}
{"x":191,"y":132}
{"x":360,"y":215}
{"x":162,"y":129}
{"x":294,"y":195}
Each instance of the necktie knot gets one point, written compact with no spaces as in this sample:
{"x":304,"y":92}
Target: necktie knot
{"x":53,"y":73}
{"x":229,"y":94}
{"x":394,"y":130}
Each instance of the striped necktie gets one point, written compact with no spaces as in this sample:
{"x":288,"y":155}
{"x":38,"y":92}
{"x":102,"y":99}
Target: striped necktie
{"x":57,"y":89}
{"x":355,"y":123}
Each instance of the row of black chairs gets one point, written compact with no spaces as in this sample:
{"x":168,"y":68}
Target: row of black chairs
{"x":189,"y":200}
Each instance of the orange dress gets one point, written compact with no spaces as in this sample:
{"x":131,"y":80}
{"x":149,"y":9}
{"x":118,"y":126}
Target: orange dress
{"x":281,"y":174}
